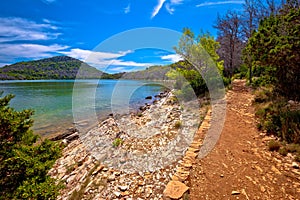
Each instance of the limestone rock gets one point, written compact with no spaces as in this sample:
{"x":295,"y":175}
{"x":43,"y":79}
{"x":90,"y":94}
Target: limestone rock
{"x":175,"y":190}
{"x":118,"y":194}
{"x":123,"y":187}
{"x":295,"y":165}
{"x":235,"y":193}
{"x":111,"y":178}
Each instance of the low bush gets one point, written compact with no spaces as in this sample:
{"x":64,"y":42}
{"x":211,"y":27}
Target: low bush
{"x":274,"y":145}
{"x":293,"y":148}
{"x":283,"y":151}
{"x":117,"y":142}
{"x":297,"y":157}
{"x":24,"y":160}
{"x":276,"y":118}
{"x":178,"y":124}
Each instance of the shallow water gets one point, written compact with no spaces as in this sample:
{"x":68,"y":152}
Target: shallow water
{"x":56,"y":101}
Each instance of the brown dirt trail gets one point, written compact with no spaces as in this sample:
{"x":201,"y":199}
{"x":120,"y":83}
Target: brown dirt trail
{"x":240,"y":161}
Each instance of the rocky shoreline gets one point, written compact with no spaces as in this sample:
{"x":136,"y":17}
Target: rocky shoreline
{"x":131,"y":156}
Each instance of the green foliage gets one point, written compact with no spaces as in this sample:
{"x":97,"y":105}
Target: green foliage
{"x":178,"y":124}
{"x":58,"y":67}
{"x":117,"y":142}
{"x":293,"y":148}
{"x":151,"y":73}
{"x":23,"y":162}
{"x":200,"y":67}
{"x":274,"y":51}
{"x":274,"y":145}
{"x":263,"y":95}
{"x":277,"y":118}
{"x":297,"y":158}
{"x":283,"y":151}
{"x":112,"y":76}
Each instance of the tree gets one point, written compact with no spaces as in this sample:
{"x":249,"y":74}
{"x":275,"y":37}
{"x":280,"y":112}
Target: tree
{"x":230,"y":38}
{"x":250,"y":20}
{"x":24,"y":163}
{"x":275,"y":46}
{"x":201,"y":66}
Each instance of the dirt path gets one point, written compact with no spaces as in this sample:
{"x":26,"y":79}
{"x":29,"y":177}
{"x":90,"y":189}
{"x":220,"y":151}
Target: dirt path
{"x":240,"y":161}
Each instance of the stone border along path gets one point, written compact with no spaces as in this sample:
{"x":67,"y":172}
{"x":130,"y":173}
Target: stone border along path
{"x":176,"y":188}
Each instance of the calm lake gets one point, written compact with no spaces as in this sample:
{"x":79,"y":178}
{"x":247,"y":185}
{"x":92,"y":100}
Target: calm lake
{"x":58,"y":102}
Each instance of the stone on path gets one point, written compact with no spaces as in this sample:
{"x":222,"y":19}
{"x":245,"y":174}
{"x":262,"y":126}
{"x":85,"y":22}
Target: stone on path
{"x":295,"y":165}
{"x":175,"y":190}
{"x":235,"y":193}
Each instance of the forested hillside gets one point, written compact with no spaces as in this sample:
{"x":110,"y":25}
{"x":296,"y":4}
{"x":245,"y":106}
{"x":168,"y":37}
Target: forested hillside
{"x":151,"y":73}
{"x":58,"y":67}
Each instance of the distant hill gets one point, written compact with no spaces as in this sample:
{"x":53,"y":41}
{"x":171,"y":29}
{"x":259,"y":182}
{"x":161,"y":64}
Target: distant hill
{"x":58,"y":67}
{"x":65,"y":67}
{"x":151,"y":73}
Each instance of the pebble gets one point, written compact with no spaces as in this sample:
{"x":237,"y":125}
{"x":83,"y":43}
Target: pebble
{"x":295,"y":165}
{"x":111,"y":178}
{"x":118,"y":194}
{"x":235,"y":192}
{"x":123,"y":187}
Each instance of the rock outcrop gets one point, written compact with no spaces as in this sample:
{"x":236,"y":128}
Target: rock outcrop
{"x":131,"y":156}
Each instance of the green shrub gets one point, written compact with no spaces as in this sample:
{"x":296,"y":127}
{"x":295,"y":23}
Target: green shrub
{"x":117,"y":142}
{"x":297,"y":157}
{"x":283,"y":151}
{"x":290,"y":125}
{"x":293,"y":148}
{"x":276,"y":118}
{"x":274,"y":145}
{"x":226,"y":81}
{"x":24,"y":163}
{"x":263,"y":95}
{"x":178,"y":124}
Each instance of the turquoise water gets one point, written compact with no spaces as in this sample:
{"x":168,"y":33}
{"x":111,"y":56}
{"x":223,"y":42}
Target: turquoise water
{"x":58,"y":102}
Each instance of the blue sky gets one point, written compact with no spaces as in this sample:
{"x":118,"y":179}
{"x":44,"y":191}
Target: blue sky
{"x":35,"y":29}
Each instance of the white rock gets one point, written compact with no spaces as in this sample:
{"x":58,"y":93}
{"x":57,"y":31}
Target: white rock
{"x":235,"y":192}
{"x":295,"y":165}
{"x":118,"y":194}
{"x":111,"y":178}
{"x":123,"y":187}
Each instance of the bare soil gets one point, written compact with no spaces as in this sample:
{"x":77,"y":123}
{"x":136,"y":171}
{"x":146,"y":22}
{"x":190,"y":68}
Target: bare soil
{"x":241,"y":163}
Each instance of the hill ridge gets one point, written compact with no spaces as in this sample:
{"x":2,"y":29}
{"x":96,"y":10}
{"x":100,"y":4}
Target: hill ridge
{"x":57,"y":67}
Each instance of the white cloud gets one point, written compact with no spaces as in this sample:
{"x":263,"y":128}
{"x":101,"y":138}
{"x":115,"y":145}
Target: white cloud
{"x":157,"y":8}
{"x":103,"y":59}
{"x":9,"y":52}
{"x":16,"y":29}
{"x":115,"y":69}
{"x":172,"y":58}
{"x":169,"y":9}
{"x":48,"y":1}
{"x":127,"y":9}
{"x":87,"y":55}
{"x":170,"y":6}
{"x":3,"y":64}
{"x":176,"y":1}
{"x":213,"y":3}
